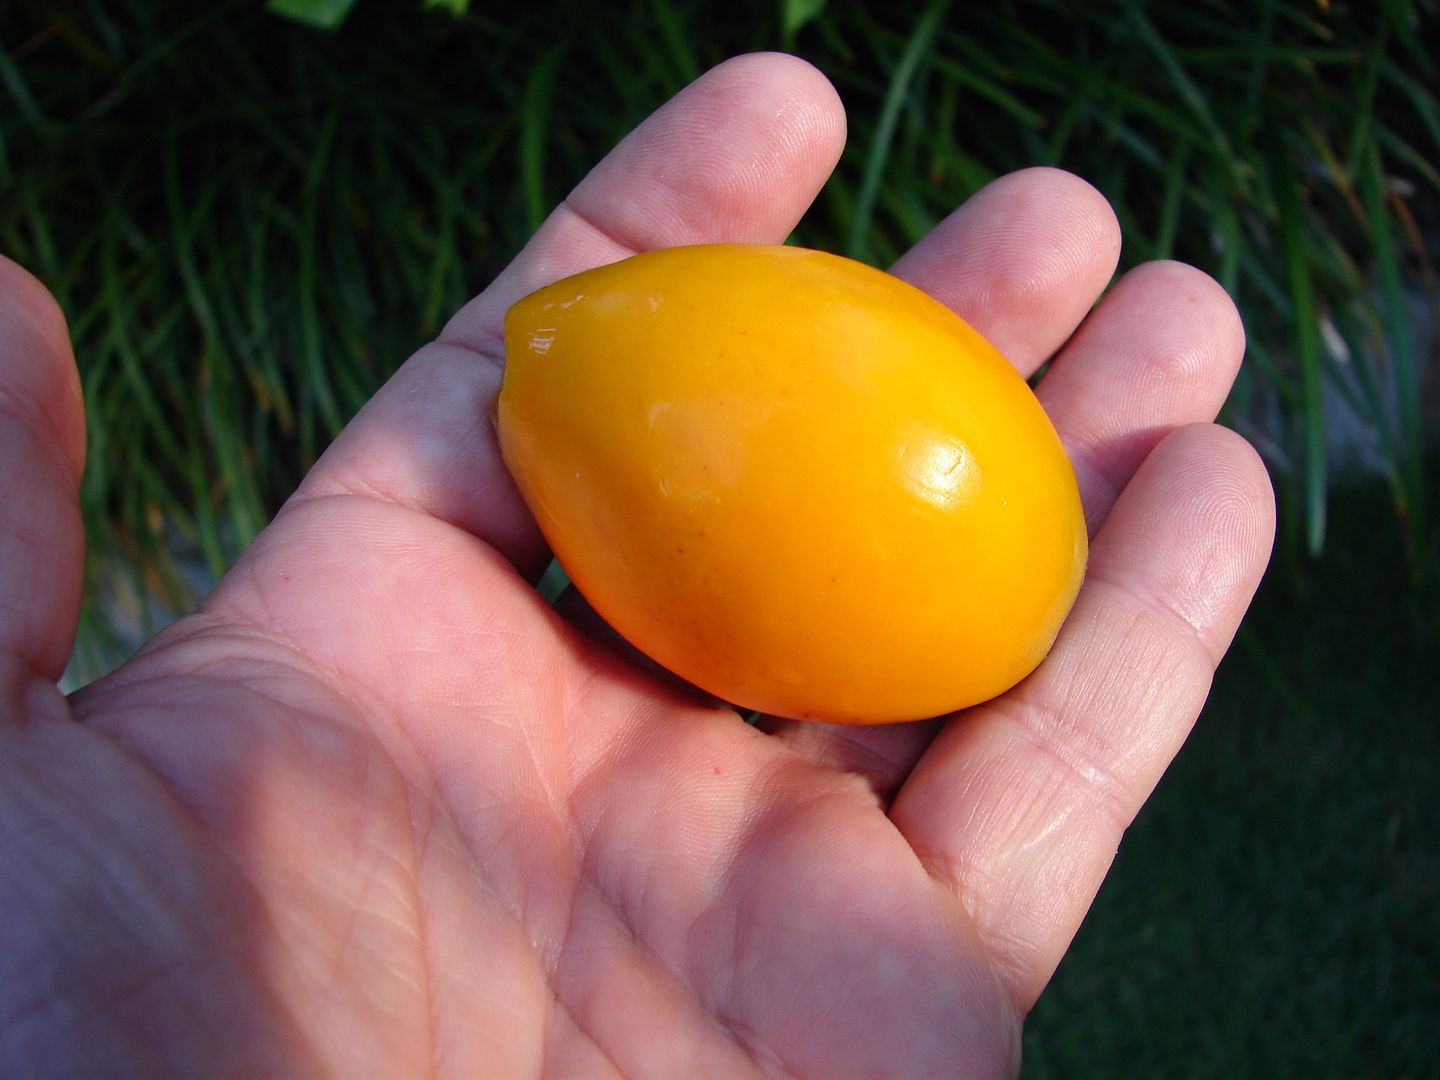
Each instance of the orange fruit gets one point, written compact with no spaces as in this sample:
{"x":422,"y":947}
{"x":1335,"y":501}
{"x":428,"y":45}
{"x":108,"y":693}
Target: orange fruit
{"x":794,"y":480}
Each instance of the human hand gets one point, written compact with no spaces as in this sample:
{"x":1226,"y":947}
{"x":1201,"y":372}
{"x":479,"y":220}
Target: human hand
{"x":376,"y":810}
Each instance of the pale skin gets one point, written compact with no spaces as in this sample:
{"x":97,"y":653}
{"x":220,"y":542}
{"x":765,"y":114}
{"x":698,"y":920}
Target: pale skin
{"x":375,"y":810}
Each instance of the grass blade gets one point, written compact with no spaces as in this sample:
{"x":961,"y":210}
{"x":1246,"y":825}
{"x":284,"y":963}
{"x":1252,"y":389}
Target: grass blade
{"x":1307,"y":352}
{"x":322,"y":14}
{"x":1189,"y":93}
{"x":1400,"y":341}
{"x":535,"y":124}
{"x":14,"y":82}
{"x":677,"y":42}
{"x":794,"y":15}
{"x":1170,"y":205}
{"x":920,"y":41}
{"x":991,"y":91}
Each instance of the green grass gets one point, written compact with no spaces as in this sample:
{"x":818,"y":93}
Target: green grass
{"x":1275,"y":911}
{"x":251,"y":222}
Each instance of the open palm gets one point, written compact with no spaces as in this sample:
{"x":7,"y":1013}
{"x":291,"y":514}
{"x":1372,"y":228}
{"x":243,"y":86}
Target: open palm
{"x":376,"y":810}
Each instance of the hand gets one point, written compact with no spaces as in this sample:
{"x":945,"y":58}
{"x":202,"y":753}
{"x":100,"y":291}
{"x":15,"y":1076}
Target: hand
{"x":375,"y":810}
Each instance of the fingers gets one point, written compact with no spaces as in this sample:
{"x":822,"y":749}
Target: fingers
{"x":1022,"y":261}
{"x":1020,"y":804}
{"x":1162,"y":350}
{"x":738,"y":155}
{"x":42,"y":452}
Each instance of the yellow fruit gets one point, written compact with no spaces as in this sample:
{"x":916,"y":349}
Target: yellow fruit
{"x":792,"y":479}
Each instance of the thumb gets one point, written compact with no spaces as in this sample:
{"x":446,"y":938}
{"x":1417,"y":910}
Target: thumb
{"x":42,"y":453}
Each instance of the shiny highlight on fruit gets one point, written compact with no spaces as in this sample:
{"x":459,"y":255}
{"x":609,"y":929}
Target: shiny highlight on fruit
{"x":794,"y":480}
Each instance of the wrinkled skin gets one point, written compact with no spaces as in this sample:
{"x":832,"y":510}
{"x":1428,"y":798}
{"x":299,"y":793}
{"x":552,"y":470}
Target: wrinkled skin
{"x":374,"y":810}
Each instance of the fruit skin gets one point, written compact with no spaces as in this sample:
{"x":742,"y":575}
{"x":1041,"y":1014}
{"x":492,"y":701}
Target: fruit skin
{"x":794,"y":480}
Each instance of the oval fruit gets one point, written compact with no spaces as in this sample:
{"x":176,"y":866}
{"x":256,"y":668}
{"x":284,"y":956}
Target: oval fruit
{"x":792,"y":479}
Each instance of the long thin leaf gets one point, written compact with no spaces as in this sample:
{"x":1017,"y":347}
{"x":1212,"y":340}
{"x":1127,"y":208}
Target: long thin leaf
{"x":879,"y":150}
{"x":535,"y":125}
{"x":1184,"y":84}
{"x":324,"y":14}
{"x":1400,"y":339}
{"x":1306,"y":340}
{"x":677,"y":42}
